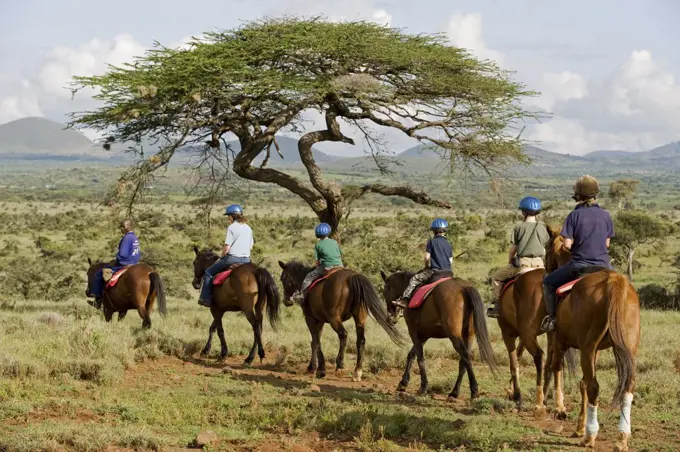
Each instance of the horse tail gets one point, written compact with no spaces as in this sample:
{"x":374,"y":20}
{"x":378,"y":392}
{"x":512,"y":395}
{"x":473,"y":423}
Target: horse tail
{"x":571,"y":359}
{"x":158,"y":288}
{"x":362,"y":291}
{"x":474,"y":300}
{"x":617,"y":295}
{"x":268,"y":292}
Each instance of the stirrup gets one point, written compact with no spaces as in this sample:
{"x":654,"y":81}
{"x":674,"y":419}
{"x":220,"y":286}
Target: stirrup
{"x":548,"y":324}
{"x":494,"y":311}
{"x":401,"y":303}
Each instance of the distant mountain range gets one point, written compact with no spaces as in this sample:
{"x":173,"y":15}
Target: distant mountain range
{"x":39,"y":139}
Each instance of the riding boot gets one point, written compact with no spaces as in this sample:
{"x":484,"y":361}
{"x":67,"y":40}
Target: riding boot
{"x":401,"y":302}
{"x":494,"y":311}
{"x":548,"y":324}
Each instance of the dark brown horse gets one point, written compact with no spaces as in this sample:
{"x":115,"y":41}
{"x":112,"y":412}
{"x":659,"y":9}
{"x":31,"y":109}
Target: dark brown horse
{"x":453,"y":310}
{"x":344,"y":294}
{"x":601,"y":311}
{"x":248,"y":289}
{"x":138,"y":288}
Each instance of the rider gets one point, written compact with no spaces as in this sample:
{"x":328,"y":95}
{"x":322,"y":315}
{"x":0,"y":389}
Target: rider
{"x":587,"y":232}
{"x":527,"y":250}
{"x":237,"y":246}
{"x":129,"y":253}
{"x":438,"y":257}
{"x":328,"y":256}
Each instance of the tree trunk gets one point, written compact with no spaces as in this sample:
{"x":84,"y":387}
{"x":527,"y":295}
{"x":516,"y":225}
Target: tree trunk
{"x":333,"y":216}
{"x":631,"y":252}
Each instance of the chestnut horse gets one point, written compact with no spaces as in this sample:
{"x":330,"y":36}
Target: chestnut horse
{"x":138,"y":288}
{"x":344,"y":294}
{"x":601,"y":311}
{"x":454,"y":310}
{"x":249,"y":289}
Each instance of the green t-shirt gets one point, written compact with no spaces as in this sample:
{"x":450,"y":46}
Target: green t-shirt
{"x":327,"y":251}
{"x":528,"y":242}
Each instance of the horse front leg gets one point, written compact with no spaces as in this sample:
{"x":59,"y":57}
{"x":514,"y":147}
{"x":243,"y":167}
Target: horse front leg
{"x":208,"y":345}
{"x":420,"y":354}
{"x":407,"y":371}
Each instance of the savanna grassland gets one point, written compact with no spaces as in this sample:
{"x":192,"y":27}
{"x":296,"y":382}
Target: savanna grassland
{"x":70,"y":381}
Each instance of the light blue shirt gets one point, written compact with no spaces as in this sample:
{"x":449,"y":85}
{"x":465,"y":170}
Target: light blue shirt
{"x":240,"y":239}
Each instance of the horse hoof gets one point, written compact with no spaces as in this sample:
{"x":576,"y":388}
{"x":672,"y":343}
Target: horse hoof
{"x":248,"y":363}
{"x":473,"y":396}
{"x":561,"y":416}
{"x":578,"y":434}
{"x":422,"y":391}
{"x":205,"y":352}
{"x":357,"y":376}
{"x":540,"y":412}
{"x":454,"y":396}
{"x":320,"y":374}
{"x":588,"y":441}
{"x":402,"y":387}
{"x":221,"y":359}
{"x":621,"y":442}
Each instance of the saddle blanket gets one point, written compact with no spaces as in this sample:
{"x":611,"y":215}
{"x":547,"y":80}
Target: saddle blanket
{"x":423,"y":291}
{"x":512,"y":280}
{"x":116,"y":276}
{"x":564,"y":290}
{"x":221,"y":277}
{"x":325,"y":275}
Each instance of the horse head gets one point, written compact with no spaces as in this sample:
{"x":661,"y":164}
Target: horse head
{"x":395,"y":284}
{"x":93,"y":268}
{"x":204,"y":259}
{"x":555,"y":254}
{"x":292,"y":275}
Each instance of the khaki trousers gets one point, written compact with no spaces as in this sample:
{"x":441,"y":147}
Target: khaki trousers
{"x":507,"y":272}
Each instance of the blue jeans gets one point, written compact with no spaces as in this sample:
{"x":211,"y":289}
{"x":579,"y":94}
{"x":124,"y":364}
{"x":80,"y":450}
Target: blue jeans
{"x":555,"y":280}
{"x":221,"y":265}
{"x":98,"y":284}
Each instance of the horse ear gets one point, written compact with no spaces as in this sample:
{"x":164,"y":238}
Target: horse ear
{"x":384,"y":276}
{"x":89,"y":262}
{"x":196,"y":250}
{"x":282,"y":265}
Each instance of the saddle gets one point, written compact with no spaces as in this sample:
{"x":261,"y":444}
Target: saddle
{"x":221,"y":277}
{"x":509,"y":282}
{"x":111,"y":278}
{"x":564,"y":290}
{"x":325,"y":275}
{"x":424,"y":290}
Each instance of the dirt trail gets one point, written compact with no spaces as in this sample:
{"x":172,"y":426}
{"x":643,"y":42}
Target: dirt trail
{"x":147,"y":373}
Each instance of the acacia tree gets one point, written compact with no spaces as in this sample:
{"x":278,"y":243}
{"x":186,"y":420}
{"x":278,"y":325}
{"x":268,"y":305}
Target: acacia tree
{"x":622,"y":189}
{"x":263,"y":77}
{"x":634,"y":229}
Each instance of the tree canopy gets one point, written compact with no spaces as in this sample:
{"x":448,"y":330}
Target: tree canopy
{"x":261,"y":78}
{"x":622,"y":189}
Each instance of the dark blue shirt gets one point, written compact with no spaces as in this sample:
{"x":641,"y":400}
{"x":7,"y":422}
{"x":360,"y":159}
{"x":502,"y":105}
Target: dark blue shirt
{"x":440,"y":252}
{"x":589,"y":227}
{"x":128,"y":250}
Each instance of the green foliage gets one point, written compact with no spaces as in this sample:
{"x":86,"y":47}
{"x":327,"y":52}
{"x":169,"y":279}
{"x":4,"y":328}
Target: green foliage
{"x":636,"y":227}
{"x":622,"y":189}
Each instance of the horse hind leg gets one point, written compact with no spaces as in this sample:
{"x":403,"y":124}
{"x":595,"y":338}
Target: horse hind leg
{"x":591,"y":389}
{"x":424,"y":384}
{"x":359,"y":323}
{"x":252,"y":318}
{"x":339,"y":328}
{"x":537,"y":353}
{"x":515,"y":392}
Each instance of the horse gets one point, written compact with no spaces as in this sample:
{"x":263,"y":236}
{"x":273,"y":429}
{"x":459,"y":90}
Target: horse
{"x":602,"y":311}
{"x":138,"y":288}
{"x":454,"y":310}
{"x":248,"y":289}
{"x":343,"y":294}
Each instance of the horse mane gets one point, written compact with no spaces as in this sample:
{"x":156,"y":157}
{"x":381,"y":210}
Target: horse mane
{"x":298,"y":270}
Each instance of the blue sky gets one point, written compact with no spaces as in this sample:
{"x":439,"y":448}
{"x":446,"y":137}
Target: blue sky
{"x":609,"y":70}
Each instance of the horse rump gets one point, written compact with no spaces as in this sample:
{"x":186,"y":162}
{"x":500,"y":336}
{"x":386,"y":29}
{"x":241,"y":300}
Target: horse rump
{"x":362,"y":291}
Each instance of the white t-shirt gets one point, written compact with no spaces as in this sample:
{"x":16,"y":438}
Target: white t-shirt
{"x":240,"y":239}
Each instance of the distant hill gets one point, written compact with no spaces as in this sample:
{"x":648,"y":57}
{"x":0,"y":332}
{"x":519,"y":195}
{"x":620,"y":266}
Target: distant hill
{"x":40,"y":136}
{"x":39,"y":141}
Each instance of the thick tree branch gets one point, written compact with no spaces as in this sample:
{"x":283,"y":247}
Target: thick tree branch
{"x":405,"y":192}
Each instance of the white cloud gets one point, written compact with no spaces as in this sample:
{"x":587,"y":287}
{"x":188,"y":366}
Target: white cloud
{"x":558,"y":87}
{"x":465,"y":31}
{"x":635,"y":107}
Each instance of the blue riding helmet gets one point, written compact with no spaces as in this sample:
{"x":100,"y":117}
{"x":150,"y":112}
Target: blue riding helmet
{"x":439,"y":223}
{"x":234,"y":209}
{"x":322,"y":230}
{"x":530,"y":203}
